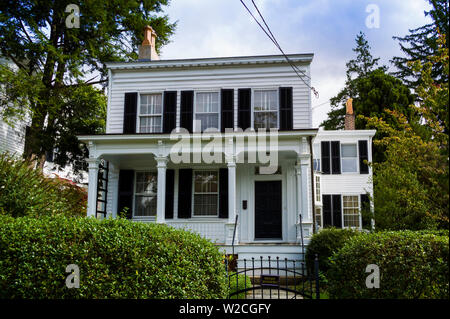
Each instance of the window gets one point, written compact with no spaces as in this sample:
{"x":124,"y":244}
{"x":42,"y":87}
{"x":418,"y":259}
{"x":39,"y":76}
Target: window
{"x":206,"y":111}
{"x":318,"y":216}
{"x":349,"y":158}
{"x":265,"y":109}
{"x":206,"y":193}
{"x":351,"y":211}
{"x":145,"y":194}
{"x":318,"y":196}
{"x":150,"y":113}
{"x":316,"y":157}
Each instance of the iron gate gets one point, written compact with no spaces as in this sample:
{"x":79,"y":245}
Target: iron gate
{"x":272,"y":278}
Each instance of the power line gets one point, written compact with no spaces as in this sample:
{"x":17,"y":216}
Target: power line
{"x":274,"y":40}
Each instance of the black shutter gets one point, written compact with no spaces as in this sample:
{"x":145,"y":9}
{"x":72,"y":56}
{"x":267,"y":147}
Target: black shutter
{"x":325,"y":150}
{"x":337,"y":211}
{"x":286,"y":122}
{"x":223,"y":193}
{"x":126,"y":188}
{"x":186,"y":110}
{"x":366,"y":215}
{"x":326,"y":210}
{"x":169,"y":111}
{"x":130,"y":113}
{"x":335,"y":157}
{"x":184,"y":193}
{"x":170,"y":183}
{"x":244,"y":108}
{"x":363,"y":156}
{"x":227,"y":107}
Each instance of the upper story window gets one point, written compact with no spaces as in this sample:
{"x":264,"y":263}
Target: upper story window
{"x":150,"y":113}
{"x":349,"y":158}
{"x":145,"y":194}
{"x":265,"y":109}
{"x":316,"y":157}
{"x":206,"y":193}
{"x":206,"y":113}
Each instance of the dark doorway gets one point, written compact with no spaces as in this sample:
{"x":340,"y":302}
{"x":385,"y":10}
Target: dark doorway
{"x":268,"y":210}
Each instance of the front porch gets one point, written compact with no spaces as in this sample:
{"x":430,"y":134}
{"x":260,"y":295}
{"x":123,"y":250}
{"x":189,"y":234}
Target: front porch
{"x":153,"y":157}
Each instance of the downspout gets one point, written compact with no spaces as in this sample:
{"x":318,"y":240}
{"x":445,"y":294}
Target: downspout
{"x":313,"y":206}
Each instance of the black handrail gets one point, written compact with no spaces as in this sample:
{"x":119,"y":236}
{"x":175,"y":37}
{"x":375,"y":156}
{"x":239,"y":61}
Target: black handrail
{"x":301,"y":235}
{"x":234,"y":234}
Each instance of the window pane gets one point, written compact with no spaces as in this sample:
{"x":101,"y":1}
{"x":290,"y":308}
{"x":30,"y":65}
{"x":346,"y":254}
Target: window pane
{"x":205,"y":204}
{"x":348,"y":150}
{"x":206,"y":121}
{"x":145,"y":206}
{"x":266,"y":120}
{"x":265,"y":100}
{"x":146,"y":193}
{"x":150,"y":124}
{"x":146,"y":183}
{"x":151,"y":104}
{"x":349,"y":165}
{"x":207,"y":102}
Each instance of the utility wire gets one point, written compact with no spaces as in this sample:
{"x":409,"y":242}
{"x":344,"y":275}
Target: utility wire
{"x":270,"y":35}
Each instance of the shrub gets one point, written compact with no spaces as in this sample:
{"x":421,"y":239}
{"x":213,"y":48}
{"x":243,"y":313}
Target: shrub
{"x":25,"y":191}
{"x":412,"y":265}
{"x":324,"y":244}
{"x":243,"y":282}
{"x":117,"y":258}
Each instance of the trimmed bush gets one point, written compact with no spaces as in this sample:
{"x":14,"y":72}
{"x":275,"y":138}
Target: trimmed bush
{"x":117,"y":258}
{"x":25,"y":191}
{"x":324,"y":244}
{"x":412,"y":265}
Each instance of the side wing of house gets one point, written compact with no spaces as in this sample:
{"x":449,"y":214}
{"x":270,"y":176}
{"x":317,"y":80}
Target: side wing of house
{"x":343,"y":180}
{"x":12,"y":139}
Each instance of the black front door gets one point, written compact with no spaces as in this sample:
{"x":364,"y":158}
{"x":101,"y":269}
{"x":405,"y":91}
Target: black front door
{"x":268,"y":210}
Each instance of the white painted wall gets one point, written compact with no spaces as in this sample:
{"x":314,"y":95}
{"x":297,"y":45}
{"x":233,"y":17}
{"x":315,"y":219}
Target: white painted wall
{"x":12,"y":139}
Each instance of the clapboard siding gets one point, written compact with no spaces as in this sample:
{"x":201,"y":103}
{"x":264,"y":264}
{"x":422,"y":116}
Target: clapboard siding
{"x":263,"y":76}
{"x":12,"y":139}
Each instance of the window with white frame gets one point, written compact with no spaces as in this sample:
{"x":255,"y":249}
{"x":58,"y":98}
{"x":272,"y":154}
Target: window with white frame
{"x":150,"y":113}
{"x":206,"y":111}
{"x":206,"y":193}
{"x":265,"y":109}
{"x":318,"y":216}
{"x":349,"y":158}
{"x":316,"y":157}
{"x":351,"y":211}
{"x":318,"y":196}
{"x":145,"y":194}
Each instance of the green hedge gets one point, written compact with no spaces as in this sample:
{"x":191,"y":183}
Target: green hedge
{"x":243,"y":282}
{"x":324,"y":244}
{"x":412,"y":265}
{"x":117,"y":259}
{"x":25,"y":191}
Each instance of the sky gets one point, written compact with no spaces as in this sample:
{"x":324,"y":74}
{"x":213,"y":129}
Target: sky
{"x":327,"y":28}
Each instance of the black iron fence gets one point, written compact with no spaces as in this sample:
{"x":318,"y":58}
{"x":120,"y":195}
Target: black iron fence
{"x":271,"y":278}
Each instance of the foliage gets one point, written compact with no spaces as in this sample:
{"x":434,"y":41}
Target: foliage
{"x":422,"y":43}
{"x":25,"y":191}
{"x":411,"y":264}
{"x":412,"y":186}
{"x":117,"y":258}
{"x":243,"y":282}
{"x":324,"y":244}
{"x":55,"y":67}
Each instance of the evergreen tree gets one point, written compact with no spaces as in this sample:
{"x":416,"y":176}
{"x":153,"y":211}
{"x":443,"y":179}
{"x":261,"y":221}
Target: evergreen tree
{"x":56,"y":67}
{"x":421,"y":43}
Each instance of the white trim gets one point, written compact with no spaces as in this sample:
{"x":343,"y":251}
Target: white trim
{"x":193,"y":194}
{"x":252,"y":104}
{"x":212,"y":90}
{"x":138,"y":111}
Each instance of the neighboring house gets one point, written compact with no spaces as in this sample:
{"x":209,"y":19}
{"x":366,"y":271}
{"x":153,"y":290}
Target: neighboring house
{"x":135,"y":167}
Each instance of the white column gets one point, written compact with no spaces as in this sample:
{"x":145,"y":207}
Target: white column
{"x":92,"y":186}
{"x":161,"y":195}
{"x":230,"y":227}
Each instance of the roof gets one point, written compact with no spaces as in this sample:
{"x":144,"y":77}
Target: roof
{"x":207,"y":62}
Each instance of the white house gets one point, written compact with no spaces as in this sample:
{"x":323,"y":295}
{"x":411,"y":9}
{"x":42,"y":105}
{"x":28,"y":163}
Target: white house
{"x":183,"y":146}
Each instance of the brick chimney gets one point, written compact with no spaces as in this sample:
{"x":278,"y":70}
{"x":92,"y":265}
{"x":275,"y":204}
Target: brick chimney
{"x":147,"y":50}
{"x":349,"y":115}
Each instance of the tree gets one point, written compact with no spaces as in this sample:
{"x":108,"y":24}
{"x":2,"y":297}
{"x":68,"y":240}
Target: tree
{"x":412,"y":186}
{"x":422,"y":43}
{"x":63,"y":64}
